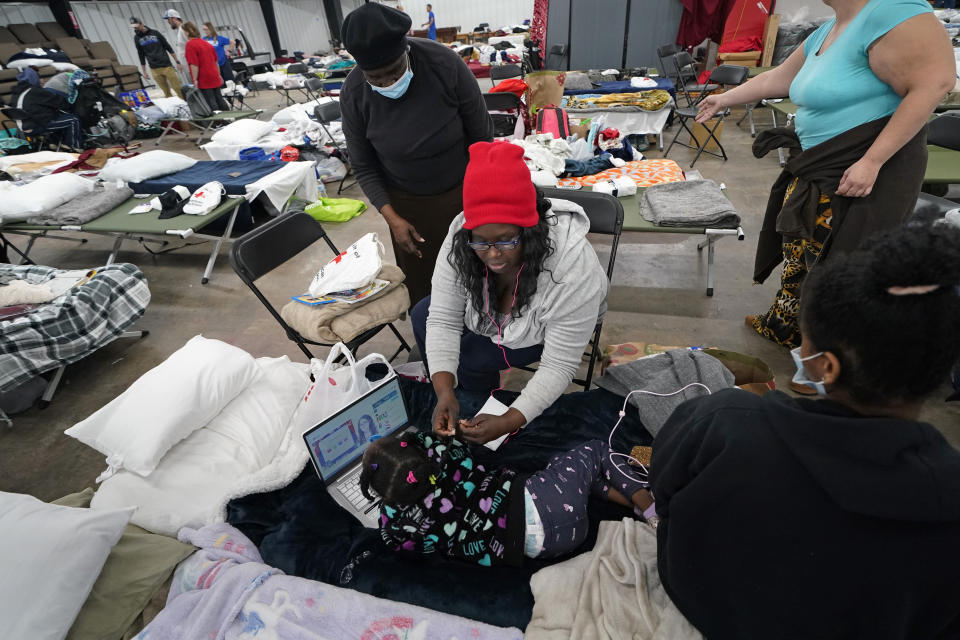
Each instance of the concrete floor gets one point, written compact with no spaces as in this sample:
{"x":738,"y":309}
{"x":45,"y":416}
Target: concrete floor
{"x":657,"y":297}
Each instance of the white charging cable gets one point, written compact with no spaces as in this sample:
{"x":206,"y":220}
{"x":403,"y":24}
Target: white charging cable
{"x":644,"y":471}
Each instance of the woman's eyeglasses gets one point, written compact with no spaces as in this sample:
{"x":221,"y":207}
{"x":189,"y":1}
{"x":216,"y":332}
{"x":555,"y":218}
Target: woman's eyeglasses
{"x":503,"y":245}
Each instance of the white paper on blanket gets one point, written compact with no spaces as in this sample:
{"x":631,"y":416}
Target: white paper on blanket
{"x":354,"y":268}
{"x":494,"y":407}
{"x":336,"y":385}
{"x":293,"y":178}
{"x":620,"y":187}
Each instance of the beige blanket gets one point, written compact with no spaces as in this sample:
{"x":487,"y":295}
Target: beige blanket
{"x":611,"y":593}
{"x":342,"y":322}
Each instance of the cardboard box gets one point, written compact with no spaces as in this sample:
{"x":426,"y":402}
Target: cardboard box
{"x":769,"y":39}
{"x":740,"y":58}
{"x":700,"y":135}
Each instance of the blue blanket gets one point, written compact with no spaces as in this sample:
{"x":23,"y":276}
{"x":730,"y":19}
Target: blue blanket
{"x":300,"y":530}
{"x":235,"y":175}
{"x":622,"y":86}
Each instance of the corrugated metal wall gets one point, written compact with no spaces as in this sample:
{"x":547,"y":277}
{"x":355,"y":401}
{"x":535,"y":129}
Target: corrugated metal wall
{"x":302,"y":25}
{"x":29,"y":12}
{"x":110,"y":21}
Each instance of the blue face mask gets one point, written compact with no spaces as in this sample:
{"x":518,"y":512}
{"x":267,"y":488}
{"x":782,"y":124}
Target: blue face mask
{"x":800,"y":377}
{"x":398,"y":88}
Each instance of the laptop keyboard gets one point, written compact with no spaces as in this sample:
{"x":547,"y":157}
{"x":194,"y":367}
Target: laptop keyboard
{"x":350,"y":488}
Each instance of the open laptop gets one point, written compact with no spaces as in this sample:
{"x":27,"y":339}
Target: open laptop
{"x":336,"y":445}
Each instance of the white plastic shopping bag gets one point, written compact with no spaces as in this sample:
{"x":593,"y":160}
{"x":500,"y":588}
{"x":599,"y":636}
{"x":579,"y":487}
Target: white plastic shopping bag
{"x":336,"y":385}
{"x":354,"y":268}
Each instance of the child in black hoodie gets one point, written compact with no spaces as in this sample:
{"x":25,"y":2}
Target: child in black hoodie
{"x":786,"y":517}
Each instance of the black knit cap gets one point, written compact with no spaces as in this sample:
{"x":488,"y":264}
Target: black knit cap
{"x":375,"y":35}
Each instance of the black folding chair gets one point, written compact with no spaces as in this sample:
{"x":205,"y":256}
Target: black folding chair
{"x":498,"y":103}
{"x":325,"y":114}
{"x":606,"y":218}
{"x":505,"y":71}
{"x":684,"y":66}
{"x":725,"y":74}
{"x":665,"y":53}
{"x":270,"y":245}
{"x":313,"y":86}
{"x":556,"y":50}
{"x":292,"y":70}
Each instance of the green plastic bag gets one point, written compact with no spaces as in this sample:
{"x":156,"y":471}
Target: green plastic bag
{"x":335,"y":209}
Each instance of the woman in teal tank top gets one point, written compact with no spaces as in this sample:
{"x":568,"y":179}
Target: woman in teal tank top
{"x":876,"y":59}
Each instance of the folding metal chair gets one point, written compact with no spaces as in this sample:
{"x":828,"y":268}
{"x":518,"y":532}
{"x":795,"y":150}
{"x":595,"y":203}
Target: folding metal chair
{"x":665,"y":53}
{"x":293,"y":70}
{"x":325,"y":114}
{"x":503,"y":102}
{"x":725,"y":74}
{"x":685,"y":67}
{"x":270,"y":245}
{"x":314,"y":87}
{"x":505,"y":71}
{"x":606,"y":218}
{"x":556,"y":50}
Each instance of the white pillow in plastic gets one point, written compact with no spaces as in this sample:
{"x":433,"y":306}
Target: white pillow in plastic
{"x":245,"y":132}
{"x":167,"y":404}
{"x":152,"y":164}
{"x":19,"y":203}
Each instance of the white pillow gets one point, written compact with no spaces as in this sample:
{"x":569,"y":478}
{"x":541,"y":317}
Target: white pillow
{"x":193,"y":483}
{"x":152,"y":164}
{"x":51,"y":556}
{"x":166,"y":404}
{"x":29,"y":62}
{"x":245,"y":131}
{"x":43,"y":194}
{"x":65,"y":66}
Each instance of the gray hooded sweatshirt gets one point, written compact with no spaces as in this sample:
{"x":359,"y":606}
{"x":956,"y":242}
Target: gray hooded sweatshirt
{"x":561,"y":315}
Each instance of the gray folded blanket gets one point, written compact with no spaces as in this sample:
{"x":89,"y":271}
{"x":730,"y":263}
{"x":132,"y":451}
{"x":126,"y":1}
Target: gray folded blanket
{"x":84,"y":208}
{"x":665,"y":373}
{"x":691,"y":203}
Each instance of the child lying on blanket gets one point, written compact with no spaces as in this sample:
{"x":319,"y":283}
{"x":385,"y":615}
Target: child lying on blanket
{"x":437,"y":500}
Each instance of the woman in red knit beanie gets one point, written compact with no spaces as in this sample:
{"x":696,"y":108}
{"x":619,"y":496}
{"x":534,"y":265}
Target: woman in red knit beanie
{"x":516,"y":282}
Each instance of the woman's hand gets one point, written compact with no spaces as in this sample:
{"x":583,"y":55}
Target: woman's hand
{"x":709,"y":107}
{"x":485,"y":427}
{"x":402,"y":231}
{"x":446,"y":414}
{"x":858,"y":179}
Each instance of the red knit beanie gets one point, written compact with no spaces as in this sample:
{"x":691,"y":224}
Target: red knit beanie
{"x":497,"y":188}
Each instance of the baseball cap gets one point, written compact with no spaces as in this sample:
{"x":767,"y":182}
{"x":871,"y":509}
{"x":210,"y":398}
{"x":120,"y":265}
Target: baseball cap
{"x":171,"y":13}
{"x":172,"y":202}
{"x":134,"y":21}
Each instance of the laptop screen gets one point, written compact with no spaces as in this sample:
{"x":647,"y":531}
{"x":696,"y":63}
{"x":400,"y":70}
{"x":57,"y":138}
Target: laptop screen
{"x":340,"y":440}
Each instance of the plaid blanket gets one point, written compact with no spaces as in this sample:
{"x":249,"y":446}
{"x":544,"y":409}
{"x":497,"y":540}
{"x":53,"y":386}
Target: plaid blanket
{"x":72,"y":325}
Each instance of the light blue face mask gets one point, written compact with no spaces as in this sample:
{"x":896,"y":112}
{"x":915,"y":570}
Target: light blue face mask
{"x":398,"y":88}
{"x":801,"y":377}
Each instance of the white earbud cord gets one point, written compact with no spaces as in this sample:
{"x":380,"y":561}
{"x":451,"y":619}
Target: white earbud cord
{"x":644,"y":471}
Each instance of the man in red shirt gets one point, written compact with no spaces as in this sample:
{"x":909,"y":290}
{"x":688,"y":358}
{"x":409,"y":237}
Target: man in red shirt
{"x":204,"y":70}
